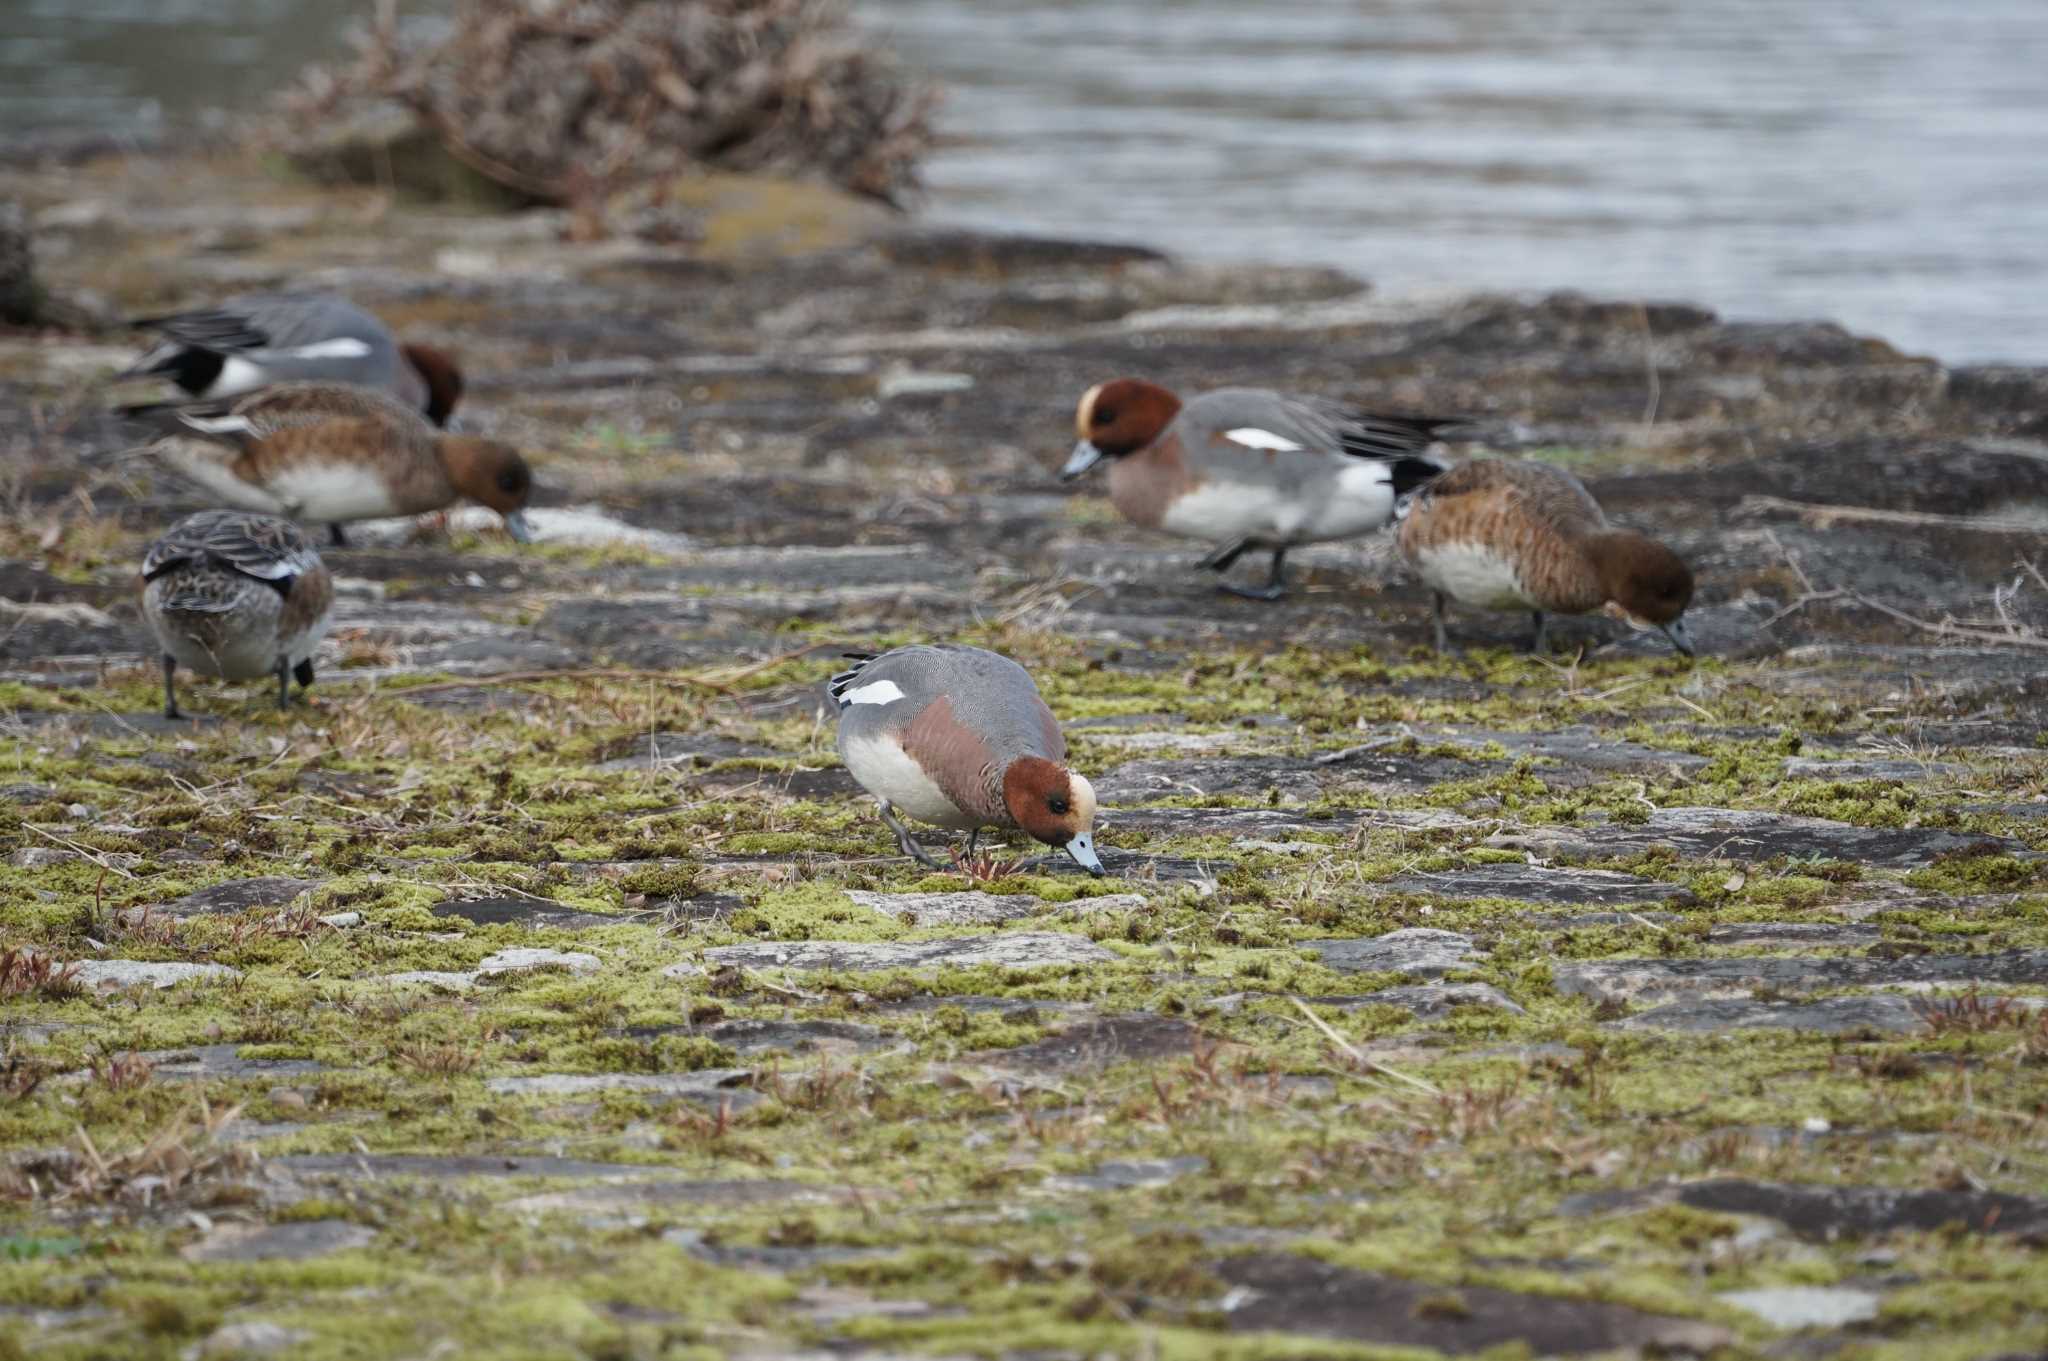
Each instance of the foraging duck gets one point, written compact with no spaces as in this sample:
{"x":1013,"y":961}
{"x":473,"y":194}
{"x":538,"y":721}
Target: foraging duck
{"x":958,"y":737}
{"x":332,"y":452}
{"x":258,"y":339}
{"x":1504,"y":534}
{"x":238,"y":596}
{"x":1249,"y":468}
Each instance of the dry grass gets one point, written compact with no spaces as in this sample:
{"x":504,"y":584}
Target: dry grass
{"x":182,"y":1162}
{"x":26,"y":972}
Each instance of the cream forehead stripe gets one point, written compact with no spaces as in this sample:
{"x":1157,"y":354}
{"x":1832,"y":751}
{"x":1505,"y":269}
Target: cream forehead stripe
{"x":1084,"y":416}
{"x":874,"y":692}
{"x":1084,"y":798}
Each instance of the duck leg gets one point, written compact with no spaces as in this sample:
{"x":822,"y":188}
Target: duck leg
{"x":284,"y":685}
{"x":170,"y":690}
{"x":904,"y":841}
{"x":335,"y":536}
{"x":1276,"y":581}
{"x":1443,"y":644}
{"x":1542,"y":632}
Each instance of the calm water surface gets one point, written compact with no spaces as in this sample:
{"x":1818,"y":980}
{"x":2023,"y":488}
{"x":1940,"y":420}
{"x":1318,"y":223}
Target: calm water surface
{"x":1879,"y":162}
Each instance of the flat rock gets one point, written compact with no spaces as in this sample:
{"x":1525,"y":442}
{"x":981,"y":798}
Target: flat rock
{"x":705,"y":1081}
{"x":279,"y":1242}
{"x":522,"y":912}
{"x":1797,"y":935}
{"x":1884,"y":1014}
{"x":616,"y":1197}
{"x":1657,"y":980}
{"x":111,"y":975}
{"x":442,"y":980}
{"x":1126,"y":1176}
{"x":1282,"y":1293}
{"x":1097,"y":1044}
{"x":1748,"y":835}
{"x":1011,"y":950}
{"x":800,"y":1037}
{"x":437,"y":1167}
{"x":1418,"y":951}
{"x":1806,"y":1306}
{"x":240,"y":895}
{"x":1432,"y":1001}
{"x":949,"y":909}
{"x":520,"y":959}
{"x":1857,"y":768}
{"x":252,"y":1337}
{"x":1824,"y":1213}
{"x":1580,"y":745}
{"x":224,"y":1061}
{"x":1530,"y":884}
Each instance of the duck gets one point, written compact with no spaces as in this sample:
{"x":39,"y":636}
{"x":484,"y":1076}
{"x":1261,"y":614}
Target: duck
{"x":334,"y":452}
{"x":257,"y":339}
{"x":1250,"y":468}
{"x":1507,"y":534}
{"x":231,"y":594}
{"x":959,"y":737}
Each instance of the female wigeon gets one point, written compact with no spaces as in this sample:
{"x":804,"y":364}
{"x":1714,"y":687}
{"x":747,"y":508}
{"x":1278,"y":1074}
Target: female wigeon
{"x":257,"y":339}
{"x":958,"y":737}
{"x":237,"y":596}
{"x":1248,"y":468}
{"x":332,"y":452}
{"x":1500,"y":534}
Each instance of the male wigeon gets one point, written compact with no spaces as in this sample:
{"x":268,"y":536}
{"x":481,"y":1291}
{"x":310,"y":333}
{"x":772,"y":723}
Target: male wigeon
{"x":332,"y":452}
{"x":958,"y":737}
{"x":1504,"y":534}
{"x":1249,"y":468}
{"x":238,"y":596}
{"x":257,"y":339}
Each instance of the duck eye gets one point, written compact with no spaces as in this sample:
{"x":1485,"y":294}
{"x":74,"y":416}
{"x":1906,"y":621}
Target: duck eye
{"x":1104,"y":415}
{"x":512,"y":481}
{"x":1058,"y":806}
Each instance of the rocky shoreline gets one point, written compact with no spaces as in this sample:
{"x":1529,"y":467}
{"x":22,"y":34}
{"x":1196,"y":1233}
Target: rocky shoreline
{"x":569,"y":1001}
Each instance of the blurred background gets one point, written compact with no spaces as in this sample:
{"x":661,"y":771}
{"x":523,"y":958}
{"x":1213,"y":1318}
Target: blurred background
{"x":1874,"y":162}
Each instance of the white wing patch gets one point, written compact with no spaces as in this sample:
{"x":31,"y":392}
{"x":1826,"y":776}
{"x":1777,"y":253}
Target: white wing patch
{"x":874,"y":692}
{"x":1251,"y":437}
{"x":225,"y":425}
{"x":237,"y":376}
{"x":342,"y":347}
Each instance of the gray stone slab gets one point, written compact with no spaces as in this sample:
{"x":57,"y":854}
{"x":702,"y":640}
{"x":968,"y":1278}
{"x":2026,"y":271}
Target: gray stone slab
{"x":522,"y":960}
{"x":252,"y":1337}
{"x":801,"y":1037}
{"x":1825,"y":1213}
{"x":523,"y":912}
{"x":111,"y":975}
{"x":1417,"y":951}
{"x":279,"y":1242}
{"x":1580,"y":745}
{"x":949,"y":909}
{"x":1797,"y":935}
{"x":240,"y":895}
{"x":1656,"y":980}
{"x":1865,"y":768}
{"x":627,"y":1197}
{"x":1282,"y":1293}
{"x":1011,"y":950}
{"x":454,"y":1167}
{"x":1432,"y":1001}
{"x":1747,"y":835}
{"x":224,"y":1061}
{"x":1126,"y":1176}
{"x":1806,"y":1306}
{"x":705,"y":1081}
{"x":1097,"y":1044}
{"x":1529,"y":883}
{"x":1884,"y":1013}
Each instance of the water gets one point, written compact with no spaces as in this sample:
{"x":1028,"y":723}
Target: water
{"x":1872,"y":161}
